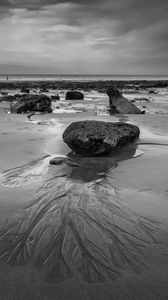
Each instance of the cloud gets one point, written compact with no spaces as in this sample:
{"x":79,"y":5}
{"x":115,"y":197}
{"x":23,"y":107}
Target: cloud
{"x":85,"y":36}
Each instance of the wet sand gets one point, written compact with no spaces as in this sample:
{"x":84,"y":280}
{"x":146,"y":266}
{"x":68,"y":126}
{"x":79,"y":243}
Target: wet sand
{"x":95,"y":229}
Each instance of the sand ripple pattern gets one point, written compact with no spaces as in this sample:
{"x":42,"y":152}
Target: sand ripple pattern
{"x":31,"y":172}
{"x":78,"y":229}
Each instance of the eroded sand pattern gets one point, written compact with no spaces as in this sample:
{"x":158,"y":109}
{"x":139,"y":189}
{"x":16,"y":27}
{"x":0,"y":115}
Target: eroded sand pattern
{"x":79,"y":224}
{"x":84,"y":228}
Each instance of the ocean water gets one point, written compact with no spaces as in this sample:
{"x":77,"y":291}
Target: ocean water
{"x":44,"y":77}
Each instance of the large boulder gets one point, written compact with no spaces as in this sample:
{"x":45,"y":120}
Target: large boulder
{"x":74,"y":95}
{"x":31,"y":103}
{"x":97,"y":137}
{"x":119,"y":104}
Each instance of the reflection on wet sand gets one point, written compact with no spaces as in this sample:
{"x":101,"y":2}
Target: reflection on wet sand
{"x":95,"y":168}
{"x":78,"y":224}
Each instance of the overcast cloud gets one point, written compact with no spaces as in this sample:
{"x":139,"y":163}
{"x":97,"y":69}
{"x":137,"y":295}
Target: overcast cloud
{"x":84,"y":37}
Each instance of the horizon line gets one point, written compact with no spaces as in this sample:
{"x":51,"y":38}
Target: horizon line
{"x":46,"y":74}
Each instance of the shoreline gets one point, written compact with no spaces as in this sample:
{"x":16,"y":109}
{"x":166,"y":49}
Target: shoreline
{"x":99,"y":85}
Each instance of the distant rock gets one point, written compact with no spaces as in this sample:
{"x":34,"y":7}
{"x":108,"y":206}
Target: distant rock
{"x":44,"y":90}
{"x":121,"y":104}
{"x":55,"y":97}
{"x":152,"y":92}
{"x":97,"y":137}
{"x":74,"y":95}
{"x":4,"y":93}
{"x":31,"y":103}
{"x":25,"y":90}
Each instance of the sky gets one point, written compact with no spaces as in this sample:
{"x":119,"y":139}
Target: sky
{"x":112,"y":37}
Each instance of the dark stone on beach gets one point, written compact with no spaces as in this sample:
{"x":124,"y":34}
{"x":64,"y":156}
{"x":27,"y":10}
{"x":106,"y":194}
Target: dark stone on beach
{"x":74,"y":95}
{"x":55,"y":97}
{"x":66,"y":160}
{"x":4,"y":93}
{"x":25,"y":90}
{"x":97,"y":137}
{"x":44,"y":90}
{"x":32,"y":103}
{"x":30,"y":115}
{"x":57,"y":160}
{"x":152,"y":92}
{"x":121,"y":104}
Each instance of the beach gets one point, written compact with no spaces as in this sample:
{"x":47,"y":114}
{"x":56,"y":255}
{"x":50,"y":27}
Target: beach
{"x":96,"y":228}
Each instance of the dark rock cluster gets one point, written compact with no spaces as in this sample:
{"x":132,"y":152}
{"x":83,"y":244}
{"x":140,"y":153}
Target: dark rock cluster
{"x":98,"y":85}
{"x":31,"y":103}
{"x":74,"y":95}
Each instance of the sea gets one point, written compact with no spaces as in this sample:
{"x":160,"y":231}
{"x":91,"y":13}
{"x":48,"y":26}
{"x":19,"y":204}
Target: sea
{"x":45,"y":77}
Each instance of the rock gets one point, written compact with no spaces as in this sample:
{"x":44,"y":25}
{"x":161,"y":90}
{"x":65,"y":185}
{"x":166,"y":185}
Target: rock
{"x":74,"y":95}
{"x":31,"y":103}
{"x":57,"y":160}
{"x":55,"y":97}
{"x":25,"y":90}
{"x":4,"y":93}
{"x":97,"y":137}
{"x":66,"y":160}
{"x":44,"y":90}
{"x":121,"y":104}
{"x":152,"y":92}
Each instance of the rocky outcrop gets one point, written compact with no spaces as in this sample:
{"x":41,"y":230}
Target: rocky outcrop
{"x":119,"y":104}
{"x":31,"y":103}
{"x":74,"y":95}
{"x":97,"y":137}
